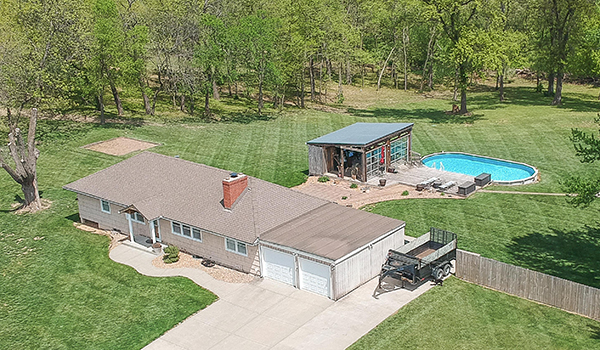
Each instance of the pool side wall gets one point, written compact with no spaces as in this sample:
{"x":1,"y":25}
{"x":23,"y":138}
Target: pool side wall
{"x":528,"y":180}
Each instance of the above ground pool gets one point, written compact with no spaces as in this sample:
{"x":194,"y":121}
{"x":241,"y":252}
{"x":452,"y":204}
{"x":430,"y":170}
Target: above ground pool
{"x":503,"y":172}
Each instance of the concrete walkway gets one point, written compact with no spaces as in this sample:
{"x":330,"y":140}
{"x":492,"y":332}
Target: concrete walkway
{"x":521,"y":192}
{"x":265,"y":314}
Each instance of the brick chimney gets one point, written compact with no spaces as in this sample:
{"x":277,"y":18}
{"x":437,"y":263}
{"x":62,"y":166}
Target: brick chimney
{"x":233,"y":187}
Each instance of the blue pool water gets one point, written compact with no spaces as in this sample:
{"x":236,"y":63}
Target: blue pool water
{"x":474,"y":165}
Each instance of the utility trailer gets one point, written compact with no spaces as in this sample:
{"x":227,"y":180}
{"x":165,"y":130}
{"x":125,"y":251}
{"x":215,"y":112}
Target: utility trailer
{"x":430,"y":255}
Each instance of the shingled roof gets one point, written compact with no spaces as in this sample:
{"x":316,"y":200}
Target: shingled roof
{"x":162,"y":186}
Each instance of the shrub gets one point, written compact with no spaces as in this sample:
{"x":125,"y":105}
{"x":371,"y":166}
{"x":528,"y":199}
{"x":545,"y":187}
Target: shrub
{"x":344,"y":198}
{"x":405,"y":193}
{"x":354,"y":186}
{"x":323,"y":179}
{"x":171,"y":255}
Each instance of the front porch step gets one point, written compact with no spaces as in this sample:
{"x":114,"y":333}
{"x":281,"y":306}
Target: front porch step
{"x":139,"y":247}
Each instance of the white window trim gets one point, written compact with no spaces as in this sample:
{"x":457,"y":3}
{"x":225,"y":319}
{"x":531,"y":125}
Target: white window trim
{"x":191,"y":231}
{"x":133,"y":219}
{"x":102,"y":201}
{"x":236,"y":244}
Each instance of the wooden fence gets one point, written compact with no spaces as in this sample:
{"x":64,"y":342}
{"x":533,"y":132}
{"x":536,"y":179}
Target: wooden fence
{"x":546,"y":289}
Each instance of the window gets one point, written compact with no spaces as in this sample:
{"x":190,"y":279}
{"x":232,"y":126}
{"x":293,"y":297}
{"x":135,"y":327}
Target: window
{"x":105,"y":206}
{"x":236,"y":246}
{"x":176,"y":227}
{"x":399,"y":149}
{"x":186,"y":231}
{"x":137,"y":217}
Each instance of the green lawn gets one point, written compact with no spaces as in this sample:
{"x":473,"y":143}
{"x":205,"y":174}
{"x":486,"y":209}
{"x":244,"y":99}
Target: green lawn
{"x":461,"y":315}
{"x":542,"y":233}
{"x":66,"y":293}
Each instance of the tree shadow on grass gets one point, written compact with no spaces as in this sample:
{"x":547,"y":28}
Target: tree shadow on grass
{"x":571,"y":255}
{"x":595,"y":331}
{"x":527,"y":96}
{"x":434,"y":116}
{"x":59,"y":129}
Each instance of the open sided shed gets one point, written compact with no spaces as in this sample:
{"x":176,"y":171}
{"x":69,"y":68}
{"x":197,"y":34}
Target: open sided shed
{"x":361,"y":151}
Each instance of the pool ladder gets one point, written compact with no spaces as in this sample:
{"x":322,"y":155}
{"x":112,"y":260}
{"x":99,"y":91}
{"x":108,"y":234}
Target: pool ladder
{"x":441,"y":166}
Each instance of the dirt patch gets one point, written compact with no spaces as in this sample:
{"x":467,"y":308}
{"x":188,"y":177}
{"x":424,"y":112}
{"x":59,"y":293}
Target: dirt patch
{"x":120,"y":146}
{"x":19,"y":209}
{"x":217,"y":272}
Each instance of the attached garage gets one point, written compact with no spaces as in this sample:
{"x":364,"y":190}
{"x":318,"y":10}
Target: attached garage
{"x":278,"y":265}
{"x":314,"y":277}
{"x":333,"y":249}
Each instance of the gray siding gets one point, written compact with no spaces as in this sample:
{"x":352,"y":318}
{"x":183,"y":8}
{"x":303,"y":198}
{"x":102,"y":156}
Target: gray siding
{"x":212,"y":247}
{"x":89,"y":209}
{"x":360,"y":268}
{"x":316,"y":160}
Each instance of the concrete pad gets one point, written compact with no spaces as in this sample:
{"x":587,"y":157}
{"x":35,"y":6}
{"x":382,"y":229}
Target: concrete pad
{"x":254,"y":299}
{"x":265,"y":330}
{"x":293,"y":311}
{"x":311,"y":298}
{"x":226,"y":316}
{"x":274,"y":286}
{"x":236,"y":342}
{"x":195,"y":336}
{"x":161,"y":344}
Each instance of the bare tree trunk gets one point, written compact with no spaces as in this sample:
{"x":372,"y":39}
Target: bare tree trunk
{"x":182,"y":102}
{"x":101,"y":103}
{"x":320,"y":79}
{"x":500,"y":76}
{"x":348,"y":70}
{"x":497,"y":79}
{"x":394,"y":75}
{"x":430,"y":77}
{"x":405,"y":40}
{"x":25,"y":157}
{"x":215,"y":88}
{"x":312,"y":78}
{"x":559,"y":84}
{"x":501,"y":83}
{"x":340,"y":94}
{"x":383,"y":68}
{"x":147,"y":106}
{"x":430,"y":47}
{"x":362,"y":76}
{"x":454,"y":97}
{"x":117,"y":99}
{"x":551,"y":84}
{"x":206,"y":103}
{"x":260,"y":93}
{"x":302,"y":88}
{"x":463,"y":89}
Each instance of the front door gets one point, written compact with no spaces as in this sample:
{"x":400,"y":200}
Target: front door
{"x":156,"y":230}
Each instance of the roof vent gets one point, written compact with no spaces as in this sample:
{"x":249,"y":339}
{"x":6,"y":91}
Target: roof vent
{"x":233,"y":175}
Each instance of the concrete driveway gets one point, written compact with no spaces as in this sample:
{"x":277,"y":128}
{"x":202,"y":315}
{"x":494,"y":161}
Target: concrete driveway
{"x":265,"y":314}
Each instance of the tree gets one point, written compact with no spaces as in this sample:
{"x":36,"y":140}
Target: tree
{"x":107,"y":53}
{"x":587,"y":148}
{"x":24,"y":156}
{"x":458,"y":21}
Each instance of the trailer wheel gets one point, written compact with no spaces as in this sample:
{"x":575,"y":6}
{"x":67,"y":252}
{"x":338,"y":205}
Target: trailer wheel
{"x":438,"y":273}
{"x":447,"y":270}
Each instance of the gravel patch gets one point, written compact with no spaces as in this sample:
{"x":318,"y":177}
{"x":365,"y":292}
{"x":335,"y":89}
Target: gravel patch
{"x":217,"y":272}
{"x":120,"y":146}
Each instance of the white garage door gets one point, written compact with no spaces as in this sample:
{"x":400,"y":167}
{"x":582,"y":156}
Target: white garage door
{"x":278,"y":265}
{"x":314,"y":277}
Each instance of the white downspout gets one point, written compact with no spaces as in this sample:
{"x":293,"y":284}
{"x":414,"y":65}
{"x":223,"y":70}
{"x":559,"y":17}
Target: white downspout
{"x":130,"y":227}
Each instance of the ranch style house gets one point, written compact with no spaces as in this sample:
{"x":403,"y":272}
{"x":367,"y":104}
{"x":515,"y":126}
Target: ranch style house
{"x":239,"y":221}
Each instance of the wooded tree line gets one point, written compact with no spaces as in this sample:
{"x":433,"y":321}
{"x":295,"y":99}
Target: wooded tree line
{"x":56,"y":54}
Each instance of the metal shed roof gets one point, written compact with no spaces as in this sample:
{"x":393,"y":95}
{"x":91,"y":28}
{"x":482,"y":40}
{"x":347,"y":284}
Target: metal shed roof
{"x":360,"y":133}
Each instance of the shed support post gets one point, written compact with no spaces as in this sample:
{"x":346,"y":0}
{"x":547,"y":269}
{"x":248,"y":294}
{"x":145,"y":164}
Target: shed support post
{"x":364,"y":165}
{"x":342,"y":162}
{"x":130,"y":227}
